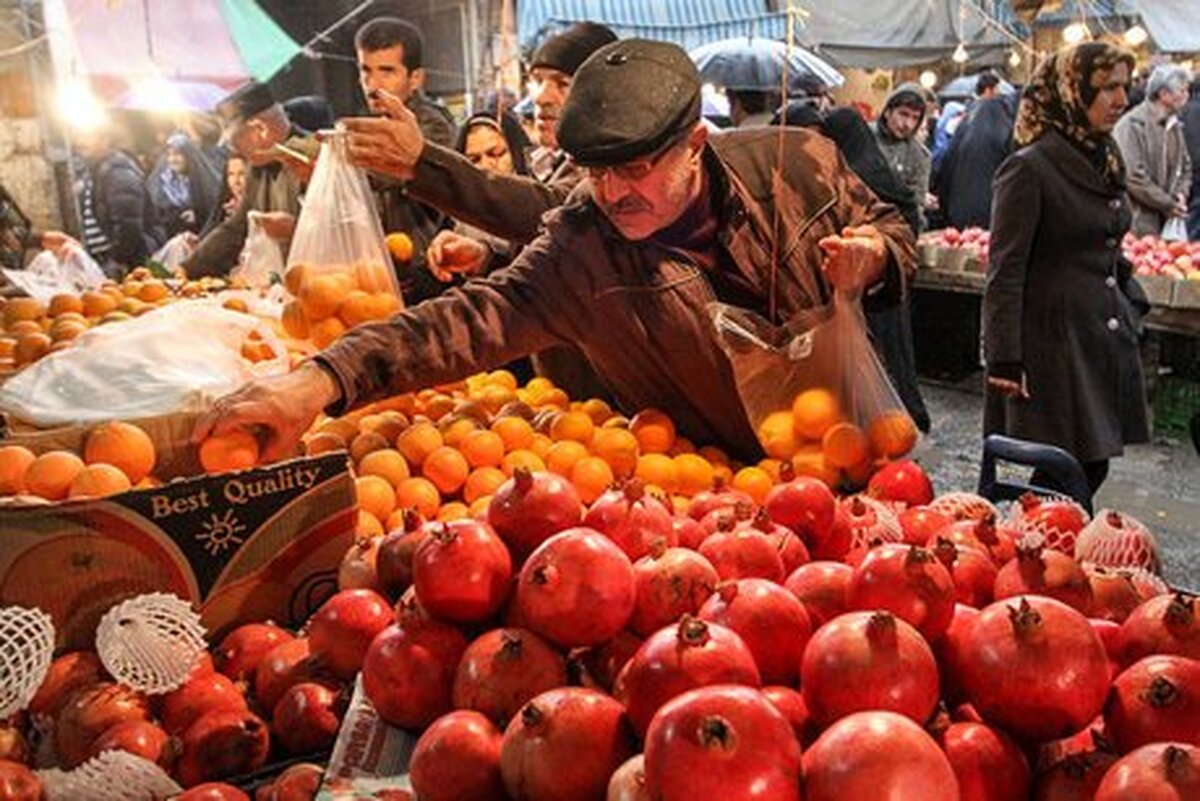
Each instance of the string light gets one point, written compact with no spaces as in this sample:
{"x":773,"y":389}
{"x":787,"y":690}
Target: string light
{"x":1075,"y":33}
{"x":1014,"y":59}
{"x":79,"y":106}
{"x":1136,"y":36}
{"x":960,"y":54}
{"x":928,"y":79}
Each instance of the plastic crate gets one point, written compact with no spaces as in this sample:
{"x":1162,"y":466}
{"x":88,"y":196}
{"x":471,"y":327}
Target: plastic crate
{"x":1176,"y":401}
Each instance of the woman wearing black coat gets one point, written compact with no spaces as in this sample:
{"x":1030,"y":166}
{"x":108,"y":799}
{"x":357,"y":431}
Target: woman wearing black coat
{"x":1061,"y":311}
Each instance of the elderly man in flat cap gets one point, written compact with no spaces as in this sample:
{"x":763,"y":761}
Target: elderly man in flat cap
{"x":669,"y":220}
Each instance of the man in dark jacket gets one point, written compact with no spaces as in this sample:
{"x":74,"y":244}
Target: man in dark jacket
{"x":1191,"y":133}
{"x":980,"y":145}
{"x":668,"y":221}
{"x":897,"y":130}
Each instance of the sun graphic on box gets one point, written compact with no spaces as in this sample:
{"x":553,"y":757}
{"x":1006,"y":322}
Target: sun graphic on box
{"x":221,"y":532}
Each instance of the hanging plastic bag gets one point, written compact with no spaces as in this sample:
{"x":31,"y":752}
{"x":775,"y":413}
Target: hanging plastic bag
{"x":175,"y":252}
{"x":174,"y":359}
{"x":261,"y":261}
{"x":1175,"y":230}
{"x":814,"y":390}
{"x":339,"y":269}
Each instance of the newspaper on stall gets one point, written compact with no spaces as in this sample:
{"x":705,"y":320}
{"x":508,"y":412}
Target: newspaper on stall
{"x":370,"y":759}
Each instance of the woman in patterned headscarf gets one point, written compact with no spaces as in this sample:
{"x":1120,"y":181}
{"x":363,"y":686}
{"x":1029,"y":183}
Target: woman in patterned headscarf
{"x":1061,"y":310}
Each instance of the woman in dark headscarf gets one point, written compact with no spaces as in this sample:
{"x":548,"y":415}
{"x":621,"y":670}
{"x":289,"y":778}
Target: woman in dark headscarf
{"x":1061,"y":310}
{"x":183,"y":186}
{"x":983,"y":141}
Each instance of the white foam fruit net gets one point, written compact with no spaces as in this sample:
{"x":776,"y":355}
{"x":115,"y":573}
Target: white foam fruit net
{"x":1048,"y":526}
{"x":885,"y":528}
{"x":1116,"y":540}
{"x":111,"y":776}
{"x":150,"y":643}
{"x":26,"y":647}
{"x":965,"y":506}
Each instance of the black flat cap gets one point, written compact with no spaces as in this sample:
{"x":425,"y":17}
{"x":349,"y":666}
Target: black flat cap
{"x":567,"y":50}
{"x":244,"y":102}
{"x":628,"y":100}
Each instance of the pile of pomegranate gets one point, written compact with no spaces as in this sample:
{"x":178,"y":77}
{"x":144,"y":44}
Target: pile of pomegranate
{"x":884,"y":645}
{"x":977,"y":241}
{"x":1152,"y":256}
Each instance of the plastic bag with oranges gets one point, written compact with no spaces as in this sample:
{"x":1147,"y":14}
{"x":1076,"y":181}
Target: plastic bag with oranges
{"x":339,"y":272}
{"x":261,"y":260}
{"x":815,"y":391}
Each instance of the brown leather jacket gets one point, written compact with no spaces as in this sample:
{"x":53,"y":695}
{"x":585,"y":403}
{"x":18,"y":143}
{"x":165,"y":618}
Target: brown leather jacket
{"x":636,"y":309}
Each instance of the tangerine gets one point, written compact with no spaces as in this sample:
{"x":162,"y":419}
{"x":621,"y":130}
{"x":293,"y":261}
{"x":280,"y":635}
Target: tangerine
{"x":811,"y":462}
{"x":294,"y":322}
{"x":324,"y":442}
{"x":577,"y":426}
{"x":400,"y":245}
{"x":483,"y":449}
{"x":375,"y":496}
{"x":754,"y":481}
{"x":455,"y":433}
{"x":483,"y":481}
{"x":447,"y":469}
{"x":325,"y":332}
{"x":592,"y":477}
{"x":223,"y":453}
{"x":99,"y":481}
{"x":356,"y":309}
{"x":455,"y":510}
{"x":368,"y":526}
{"x":694,"y":473}
{"x":522,"y":458}
{"x":815,"y":411}
{"x":14,"y":461}
{"x":50,"y":475}
{"x":845,"y":445}
{"x":618,"y":447}
{"x":777,"y":434}
{"x":562,"y":456}
{"x":655,"y":431}
{"x":322,"y":295}
{"x":892,"y":434}
{"x":30,"y":348}
{"x":122,"y":445}
{"x":658,"y":469}
{"x":515,"y":432}
{"x":386,"y":464}
{"x":420,"y":494}
{"x":64,"y":304}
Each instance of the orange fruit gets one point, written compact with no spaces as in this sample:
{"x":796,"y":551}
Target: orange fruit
{"x":447,"y":469}
{"x":483,"y":481}
{"x":418,"y":441}
{"x":99,"y":481}
{"x":502,"y":378}
{"x":8,"y":345}
{"x":456,"y":432}
{"x":64,"y":304}
{"x":324,"y":442}
{"x":754,"y":481}
{"x":19,"y":309}
{"x":325,"y":332}
{"x":438,"y":406}
{"x":25,"y":327}
{"x":373,"y":277}
{"x":562,"y":456}
{"x":420,"y":494}
{"x":233,"y":304}
{"x":366,"y":443}
{"x":479,"y":508}
{"x":577,"y":426}
{"x":386,"y":464}
{"x":655,"y":431}
{"x":619,"y":448}
{"x":50,"y":475}
{"x":771,"y":467}
{"x":375,"y":496}
{"x":811,"y":462}
{"x":541,"y":445}
{"x":682,"y":445}
{"x":722,"y":474}
{"x":597,"y":409}
{"x":455,"y":510}
{"x":483,"y":449}
{"x":98,"y":304}
{"x":694,"y":473}
{"x":845,"y":445}
{"x":592,"y":477}
{"x":131,"y":287}
{"x":293,"y":278}
{"x":400,"y":246}
{"x":776,"y":433}
{"x":892,"y":434}
{"x":66,"y":329}
{"x":355,"y":309}
{"x":389,"y":425}
{"x":368,"y":526}
{"x":815,"y":411}
{"x":30,"y":348}
{"x":122,"y":445}
{"x":658,"y":469}
{"x":522,"y":458}
{"x":515,"y":432}
{"x":295,"y":323}
{"x":222,"y":453}
{"x":152,"y":291}
{"x":14,"y":461}
{"x":382,"y":305}
{"x":713,"y":454}
{"x":345,"y":429}
{"x":321,"y":295}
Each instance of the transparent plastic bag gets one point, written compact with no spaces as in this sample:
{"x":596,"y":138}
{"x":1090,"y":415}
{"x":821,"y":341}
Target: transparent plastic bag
{"x":814,"y":390}
{"x":70,"y":268}
{"x":174,"y":359}
{"x":1175,"y":230}
{"x":261,"y":260}
{"x":339,"y":269}
{"x":175,"y":252}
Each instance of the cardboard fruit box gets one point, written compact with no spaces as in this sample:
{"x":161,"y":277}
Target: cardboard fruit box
{"x":253,"y":545}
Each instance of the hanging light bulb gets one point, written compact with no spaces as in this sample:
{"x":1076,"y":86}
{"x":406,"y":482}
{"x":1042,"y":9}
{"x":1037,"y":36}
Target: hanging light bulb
{"x":1075,"y":33}
{"x":79,"y":106}
{"x":1014,"y":59}
{"x":1136,"y":36}
{"x":960,"y":54}
{"x":928,"y":79}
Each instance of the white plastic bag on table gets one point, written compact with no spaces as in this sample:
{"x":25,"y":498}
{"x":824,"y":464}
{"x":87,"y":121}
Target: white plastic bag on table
{"x":338,"y":267}
{"x":175,"y":359}
{"x":815,"y":391}
{"x":70,"y":268}
{"x":175,"y":252}
{"x":261,"y":260}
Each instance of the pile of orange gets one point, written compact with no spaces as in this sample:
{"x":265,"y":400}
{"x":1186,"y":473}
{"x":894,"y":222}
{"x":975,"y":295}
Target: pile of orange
{"x":116,"y":457}
{"x":817,"y":438}
{"x":330,"y":299}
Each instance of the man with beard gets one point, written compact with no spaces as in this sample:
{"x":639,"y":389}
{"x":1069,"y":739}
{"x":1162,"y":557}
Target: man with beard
{"x":668,"y":220}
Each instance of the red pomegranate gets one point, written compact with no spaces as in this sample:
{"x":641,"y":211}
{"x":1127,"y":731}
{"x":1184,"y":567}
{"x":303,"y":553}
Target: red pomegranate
{"x":727,"y":519}
{"x":213,"y":791}
{"x":68,"y":673}
{"x":577,"y":588}
{"x":989,"y":766}
{"x":791,"y":705}
{"x":240,"y":653}
{"x":458,"y":759}
{"x":297,"y":783}
{"x":986,"y":535}
{"x":720,"y":497}
{"x":1110,"y":634}
{"x":604,"y":662}
{"x":222,"y":744}
{"x":14,"y":747}
{"x":907,"y":581}
{"x":671,"y":582}
{"x":628,"y":782}
{"x":198,"y":696}
{"x":307,"y":718}
{"x":769,"y":619}
{"x":722,"y":742}
{"x":19,"y":783}
{"x":1075,"y":778}
{"x":821,"y":587}
{"x":681,"y":658}
{"x":632,"y":519}
{"x":742,"y":554}
{"x":947,"y":649}
{"x":1158,"y":772}
{"x":1116,"y":540}
{"x":688,"y":532}
{"x":90,"y":712}
{"x":868,"y":660}
{"x":462,"y":571}
{"x":393,"y":562}
{"x":357,"y":570}
{"x":805,"y":505}
{"x":921,"y":525}
{"x":1148,"y":584}
{"x":836,"y":544}
{"x":1041,"y":571}
{"x":902,"y":482}
{"x":502,"y":669}
{"x":564,"y":745}
{"x":530,"y":508}
{"x":408,"y":673}
{"x":1114,"y":595}
{"x":1034,"y":666}
{"x":288,"y":663}
{"x":342,"y":629}
{"x":964,"y":506}
{"x":1166,"y":624}
{"x":873,"y":755}
{"x":1057,"y":521}
{"x":972,"y":570}
{"x":791,"y":549}
{"x":870,"y":521}
{"x":139,"y":737}
{"x":1155,"y":700}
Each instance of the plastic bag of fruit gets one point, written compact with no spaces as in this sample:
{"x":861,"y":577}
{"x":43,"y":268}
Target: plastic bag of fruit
{"x":70,"y":267}
{"x":339,"y":270}
{"x":815,"y":391}
{"x":174,"y":359}
{"x":261,"y":261}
